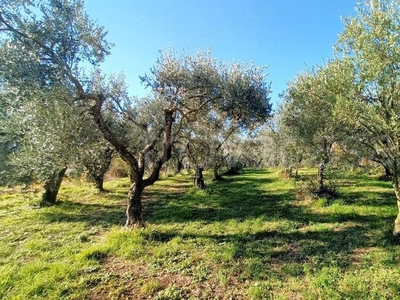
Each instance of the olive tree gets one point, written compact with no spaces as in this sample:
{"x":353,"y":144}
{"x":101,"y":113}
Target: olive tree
{"x":97,"y":160}
{"x":47,"y":42}
{"x":207,"y":143}
{"x":47,"y":135}
{"x":369,"y":47}
{"x":312,"y":114}
{"x":215,"y":99}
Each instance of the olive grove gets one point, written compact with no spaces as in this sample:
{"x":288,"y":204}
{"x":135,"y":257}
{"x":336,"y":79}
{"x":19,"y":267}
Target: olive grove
{"x":354,"y":100}
{"x":45,"y":45}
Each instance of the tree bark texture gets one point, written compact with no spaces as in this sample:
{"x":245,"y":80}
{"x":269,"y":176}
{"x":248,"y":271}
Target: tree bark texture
{"x":52,"y":186}
{"x":134,"y":210}
{"x":396,"y":186}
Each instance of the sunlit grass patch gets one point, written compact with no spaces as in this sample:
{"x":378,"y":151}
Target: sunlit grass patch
{"x":246,"y":237}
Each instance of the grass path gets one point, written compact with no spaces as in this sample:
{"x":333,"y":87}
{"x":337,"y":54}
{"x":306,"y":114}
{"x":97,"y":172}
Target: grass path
{"x":247,"y":237}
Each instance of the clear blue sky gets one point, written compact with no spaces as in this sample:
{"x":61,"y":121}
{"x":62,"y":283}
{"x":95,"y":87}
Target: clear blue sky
{"x":286,"y":35}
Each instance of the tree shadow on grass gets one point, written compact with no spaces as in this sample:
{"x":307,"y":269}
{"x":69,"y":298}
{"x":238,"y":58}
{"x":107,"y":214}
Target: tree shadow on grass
{"x":314,"y":246}
{"x":222,"y":201}
{"x":240,"y":200}
{"x":372,"y":199}
{"x":104,"y":215}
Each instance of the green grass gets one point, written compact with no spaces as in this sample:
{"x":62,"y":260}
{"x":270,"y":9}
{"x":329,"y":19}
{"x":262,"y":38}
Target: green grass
{"x":247,"y":237}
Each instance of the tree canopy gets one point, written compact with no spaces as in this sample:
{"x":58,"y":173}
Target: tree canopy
{"x":45,"y":45}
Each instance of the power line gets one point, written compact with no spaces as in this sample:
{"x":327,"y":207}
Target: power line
{"x":244,"y":22}
{"x":152,"y":16}
{"x":219,"y":30}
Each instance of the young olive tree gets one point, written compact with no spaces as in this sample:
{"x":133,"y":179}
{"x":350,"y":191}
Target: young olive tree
{"x":369,"y":47}
{"x":311,"y":112}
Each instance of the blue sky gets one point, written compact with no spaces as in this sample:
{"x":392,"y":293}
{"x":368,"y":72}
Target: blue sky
{"x":286,"y":35}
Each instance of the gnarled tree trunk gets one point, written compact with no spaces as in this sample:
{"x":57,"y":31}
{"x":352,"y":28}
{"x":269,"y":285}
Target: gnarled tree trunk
{"x":51,"y":187}
{"x":134,"y":211}
{"x":135,"y":208}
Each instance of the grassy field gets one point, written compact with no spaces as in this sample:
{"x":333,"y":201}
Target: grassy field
{"x":248,"y":237}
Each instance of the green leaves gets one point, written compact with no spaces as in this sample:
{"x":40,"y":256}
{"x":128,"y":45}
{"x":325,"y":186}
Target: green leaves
{"x":200,"y":82}
{"x":44,"y":42}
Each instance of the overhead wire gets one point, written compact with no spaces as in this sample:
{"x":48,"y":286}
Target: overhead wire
{"x":150,"y":17}
{"x":210,"y":33}
{"x":244,"y":22}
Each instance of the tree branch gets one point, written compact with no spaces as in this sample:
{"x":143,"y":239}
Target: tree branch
{"x":109,"y":136}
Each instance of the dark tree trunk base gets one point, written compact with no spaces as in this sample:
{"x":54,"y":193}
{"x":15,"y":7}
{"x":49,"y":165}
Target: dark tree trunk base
{"x":217,"y":176}
{"x":134,"y":210}
{"x":199,"y":179}
{"x":51,"y":188}
{"x":99,"y":184}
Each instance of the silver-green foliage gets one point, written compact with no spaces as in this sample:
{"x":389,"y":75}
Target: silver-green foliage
{"x":369,"y":47}
{"x":42,"y":46}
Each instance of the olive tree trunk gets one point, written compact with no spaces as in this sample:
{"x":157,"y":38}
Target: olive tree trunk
{"x":322,"y":166}
{"x":51,"y":187}
{"x":217,"y":176}
{"x":396,"y":186}
{"x":98,"y":166}
{"x":99,"y":183}
{"x":321,"y":177}
{"x":199,"y":178}
{"x":134,"y":210}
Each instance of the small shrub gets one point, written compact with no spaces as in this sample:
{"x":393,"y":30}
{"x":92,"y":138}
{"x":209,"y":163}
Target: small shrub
{"x":118,"y":169}
{"x":309,"y":190}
